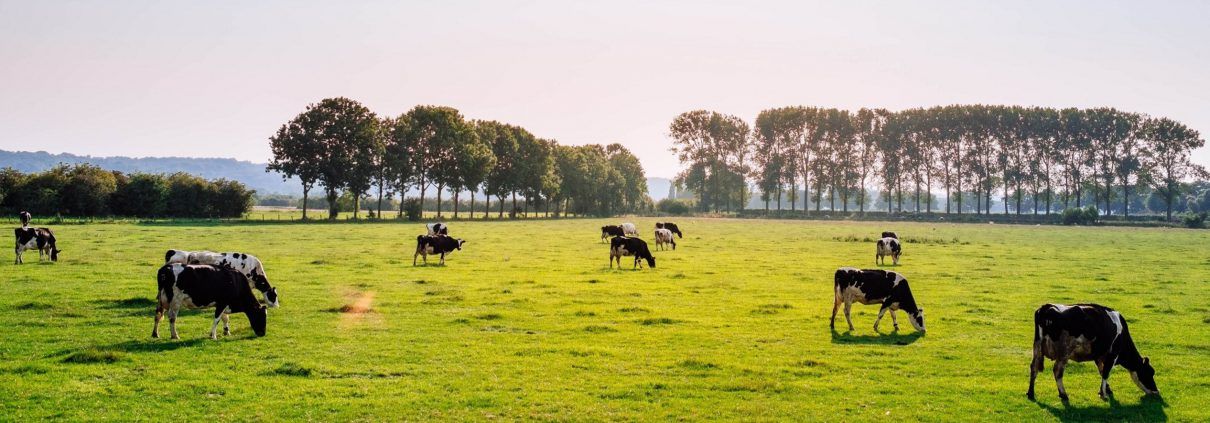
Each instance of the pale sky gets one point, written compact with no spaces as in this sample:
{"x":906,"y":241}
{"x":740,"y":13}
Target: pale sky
{"x":216,"y":79}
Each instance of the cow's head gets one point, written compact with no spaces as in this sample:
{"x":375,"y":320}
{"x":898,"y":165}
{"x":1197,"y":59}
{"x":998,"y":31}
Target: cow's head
{"x":262,"y":284}
{"x":176,"y":256}
{"x":917,"y":319}
{"x":651,"y":261}
{"x":257,"y":317}
{"x":460,"y":242}
{"x":1144,"y":376}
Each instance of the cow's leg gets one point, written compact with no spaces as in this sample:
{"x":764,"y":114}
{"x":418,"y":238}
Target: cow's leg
{"x":172,"y":312}
{"x":1060,"y":365}
{"x":443,"y":259}
{"x":848,"y":306}
{"x":894,"y":319}
{"x":17,"y":252}
{"x":414,"y":257}
{"x":1035,"y":366}
{"x":878,"y":319}
{"x":219,"y":310}
{"x":1105,"y":365}
{"x":226,"y":324}
{"x":835,"y":307}
{"x":159,"y":315}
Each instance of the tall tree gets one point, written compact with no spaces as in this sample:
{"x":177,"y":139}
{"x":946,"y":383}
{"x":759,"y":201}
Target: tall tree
{"x":1168,"y":145}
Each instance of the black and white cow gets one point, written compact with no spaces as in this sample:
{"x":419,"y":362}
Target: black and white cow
{"x":611,"y":230}
{"x":670,"y":226}
{"x":41,"y":239}
{"x":626,"y":246}
{"x":876,"y":286}
{"x":888,"y":247}
{"x":664,"y":236}
{"x":437,"y":229}
{"x":25,"y":218}
{"x":435,"y":244}
{"x":205,"y":286}
{"x":1087,"y":332}
{"x":628,"y":229}
{"x":889,"y":234}
{"x":247,"y":264}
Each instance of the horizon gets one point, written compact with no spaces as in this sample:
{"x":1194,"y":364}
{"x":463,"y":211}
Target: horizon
{"x":181,"y":80}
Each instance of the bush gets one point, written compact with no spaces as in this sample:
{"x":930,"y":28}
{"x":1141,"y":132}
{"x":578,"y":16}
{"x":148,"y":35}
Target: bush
{"x":673,"y":207}
{"x":1077,"y":216}
{"x":1195,"y":220}
{"x":412,"y":209}
{"x":142,"y":195}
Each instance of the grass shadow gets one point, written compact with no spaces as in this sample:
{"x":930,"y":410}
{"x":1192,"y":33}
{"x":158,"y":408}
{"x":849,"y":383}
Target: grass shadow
{"x":1149,"y":409}
{"x":893,"y":338}
{"x":127,"y":303}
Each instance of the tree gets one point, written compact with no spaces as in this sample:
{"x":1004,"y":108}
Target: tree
{"x":435,"y":133}
{"x":1168,"y":144}
{"x":297,"y":149}
{"x":474,"y":159}
{"x":142,"y":195}
{"x":398,"y":164}
{"x":499,"y":180}
{"x":87,"y":191}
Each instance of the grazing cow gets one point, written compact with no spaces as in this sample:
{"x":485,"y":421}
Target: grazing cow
{"x":249,"y":265}
{"x":625,"y":246}
{"x":437,"y":229}
{"x":628,"y":229}
{"x":611,"y":230}
{"x":205,"y":286}
{"x":876,"y":286}
{"x":664,"y":236}
{"x":889,"y":234}
{"x":888,"y":247}
{"x":670,"y":226}
{"x":25,"y":218}
{"x":435,"y":244}
{"x":41,"y":239}
{"x":1087,"y":332}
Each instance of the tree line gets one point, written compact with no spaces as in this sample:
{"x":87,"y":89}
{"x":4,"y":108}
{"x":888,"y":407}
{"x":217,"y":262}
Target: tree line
{"x":84,"y":190}
{"x":1032,"y":159}
{"x":343,"y":148}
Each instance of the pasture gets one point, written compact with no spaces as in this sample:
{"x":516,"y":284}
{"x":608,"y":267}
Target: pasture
{"x":529,"y":322}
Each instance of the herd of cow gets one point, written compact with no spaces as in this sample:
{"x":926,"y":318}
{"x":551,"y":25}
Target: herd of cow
{"x":228,"y":283}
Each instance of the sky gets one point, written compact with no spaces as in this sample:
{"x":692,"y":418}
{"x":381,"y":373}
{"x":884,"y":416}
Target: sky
{"x":217,"y":78}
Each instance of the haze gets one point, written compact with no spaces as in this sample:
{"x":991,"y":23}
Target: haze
{"x":216,"y":79}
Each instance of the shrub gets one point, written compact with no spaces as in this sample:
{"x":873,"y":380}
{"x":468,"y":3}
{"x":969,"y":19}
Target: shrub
{"x":1195,"y":220}
{"x":412,"y":209}
{"x":1077,"y":216}
{"x":673,"y":207}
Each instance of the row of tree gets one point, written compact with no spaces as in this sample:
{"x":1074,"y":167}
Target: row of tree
{"x":85,"y":190}
{"x":1031,"y":158}
{"x":341,"y":146}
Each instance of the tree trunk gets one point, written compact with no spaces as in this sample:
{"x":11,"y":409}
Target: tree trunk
{"x":440,"y":188}
{"x":306,"y":191}
{"x":333,"y":209}
{"x":487,"y":206}
{"x":379,"y":200}
{"x":457,"y":193}
{"x":356,"y":205}
{"x":513,"y":213}
{"x":500,"y":199}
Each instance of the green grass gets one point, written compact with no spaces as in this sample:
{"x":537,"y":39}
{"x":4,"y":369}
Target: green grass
{"x":529,"y":322}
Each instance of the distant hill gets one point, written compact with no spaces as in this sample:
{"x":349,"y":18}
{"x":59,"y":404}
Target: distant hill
{"x":251,"y":174}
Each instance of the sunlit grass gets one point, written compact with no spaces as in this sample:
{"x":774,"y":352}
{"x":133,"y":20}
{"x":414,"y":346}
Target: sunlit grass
{"x":529,"y":322}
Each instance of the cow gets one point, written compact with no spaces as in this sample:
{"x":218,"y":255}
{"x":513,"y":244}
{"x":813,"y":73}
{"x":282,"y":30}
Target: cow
{"x":249,"y":265}
{"x":876,"y":286}
{"x":41,"y":239}
{"x":626,"y":246}
{"x":436,"y":244}
{"x":664,"y":236}
{"x":888,"y":247}
{"x":205,"y":286}
{"x":611,"y":230}
{"x":889,"y":234}
{"x":437,"y":229}
{"x":628,"y":229}
{"x":25,"y":218}
{"x":670,"y":226}
{"x":1087,"y":332}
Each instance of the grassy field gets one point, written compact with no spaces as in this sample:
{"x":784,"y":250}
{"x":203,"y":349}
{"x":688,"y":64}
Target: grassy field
{"x":529,"y":322}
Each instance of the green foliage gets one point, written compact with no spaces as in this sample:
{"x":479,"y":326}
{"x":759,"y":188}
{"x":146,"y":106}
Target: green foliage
{"x":141,"y":195}
{"x":672,"y":207}
{"x":85,"y":190}
{"x":1194,"y":220}
{"x":1080,"y":216}
{"x":412,"y":209}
